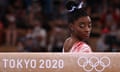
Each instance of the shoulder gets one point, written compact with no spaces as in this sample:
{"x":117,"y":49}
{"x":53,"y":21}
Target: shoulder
{"x":68,"y":44}
{"x":81,"y":47}
{"x":85,"y":48}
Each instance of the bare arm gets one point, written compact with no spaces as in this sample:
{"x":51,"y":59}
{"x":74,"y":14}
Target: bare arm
{"x":67,"y":45}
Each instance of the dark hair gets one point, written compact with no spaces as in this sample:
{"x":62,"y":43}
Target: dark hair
{"x":76,"y":13}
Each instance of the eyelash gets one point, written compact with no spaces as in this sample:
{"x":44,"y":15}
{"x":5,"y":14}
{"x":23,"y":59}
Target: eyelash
{"x":82,"y":25}
{"x":89,"y":25}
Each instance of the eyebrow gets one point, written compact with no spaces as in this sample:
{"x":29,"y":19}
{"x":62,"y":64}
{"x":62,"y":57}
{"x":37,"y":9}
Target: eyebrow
{"x":82,"y":22}
{"x":85,"y":22}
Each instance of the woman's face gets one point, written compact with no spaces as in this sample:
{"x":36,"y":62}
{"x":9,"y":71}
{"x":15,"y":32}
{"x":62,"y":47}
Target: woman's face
{"x":81,"y":28}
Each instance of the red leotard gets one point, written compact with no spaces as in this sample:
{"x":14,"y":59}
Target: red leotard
{"x":80,"y":47}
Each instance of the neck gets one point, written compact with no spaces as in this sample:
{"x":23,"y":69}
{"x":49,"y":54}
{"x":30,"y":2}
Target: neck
{"x":76,"y":38}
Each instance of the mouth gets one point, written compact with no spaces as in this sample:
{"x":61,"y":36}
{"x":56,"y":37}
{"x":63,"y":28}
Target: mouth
{"x":86,"y":35}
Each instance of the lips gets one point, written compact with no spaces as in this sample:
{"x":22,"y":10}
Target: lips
{"x":86,"y":35}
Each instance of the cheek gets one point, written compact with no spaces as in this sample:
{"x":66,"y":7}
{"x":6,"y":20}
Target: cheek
{"x":90,"y":30}
{"x":78,"y":31}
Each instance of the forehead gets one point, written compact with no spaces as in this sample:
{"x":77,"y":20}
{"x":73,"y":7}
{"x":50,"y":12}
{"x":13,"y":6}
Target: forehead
{"x":83,"y":19}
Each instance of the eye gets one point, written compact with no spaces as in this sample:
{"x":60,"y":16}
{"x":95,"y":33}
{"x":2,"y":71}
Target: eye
{"x":89,"y":25}
{"x":81,"y":25}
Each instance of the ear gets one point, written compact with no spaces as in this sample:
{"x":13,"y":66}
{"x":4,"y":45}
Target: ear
{"x":71,"y":27}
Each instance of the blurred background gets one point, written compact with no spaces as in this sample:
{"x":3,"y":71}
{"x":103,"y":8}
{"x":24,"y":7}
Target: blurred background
{"x":41,"y":25}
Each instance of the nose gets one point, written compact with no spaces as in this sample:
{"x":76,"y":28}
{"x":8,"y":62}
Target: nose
{"x":87,"y":29}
